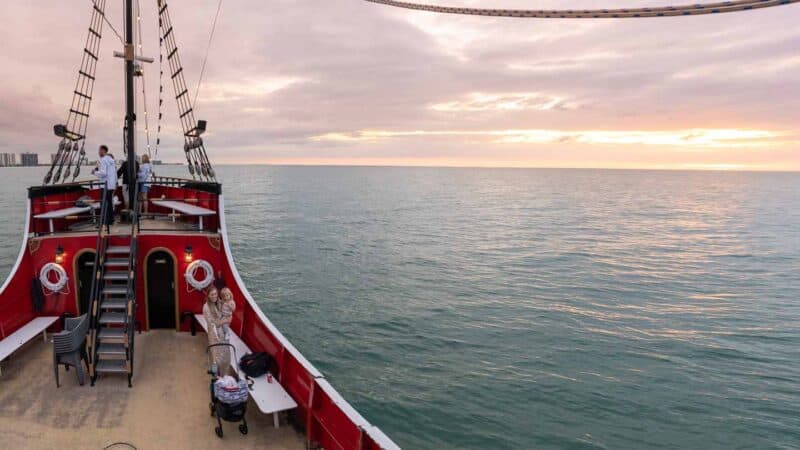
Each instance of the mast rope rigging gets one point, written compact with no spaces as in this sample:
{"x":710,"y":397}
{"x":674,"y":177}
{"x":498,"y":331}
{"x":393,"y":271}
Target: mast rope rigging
{"x":71,"y":148}
{"x":208,"y":48}
{"x":139,"y":49}
{"x":110,"y":25}
{"x":662,"y":11}
{"x":193,"y":147}
{"x":160,"y":88}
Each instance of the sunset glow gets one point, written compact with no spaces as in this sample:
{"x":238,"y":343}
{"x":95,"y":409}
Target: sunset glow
{"x":349,"y":83}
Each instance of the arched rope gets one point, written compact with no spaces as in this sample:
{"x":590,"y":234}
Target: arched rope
{"x":661,"y":11}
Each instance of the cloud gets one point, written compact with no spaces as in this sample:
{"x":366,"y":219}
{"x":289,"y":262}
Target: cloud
{"x":290,"y":80}
{"x":690,"y":139}
{"x":479,"y":101}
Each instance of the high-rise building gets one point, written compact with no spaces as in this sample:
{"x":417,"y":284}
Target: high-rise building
{"x":29,"y":159}
{"x":8,"y":159}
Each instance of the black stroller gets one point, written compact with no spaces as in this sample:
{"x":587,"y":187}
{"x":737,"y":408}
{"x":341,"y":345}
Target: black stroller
{"x":229,"y":412}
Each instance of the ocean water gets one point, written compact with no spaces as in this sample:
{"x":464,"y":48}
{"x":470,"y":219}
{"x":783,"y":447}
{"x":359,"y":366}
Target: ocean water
{"x":500,"y":309}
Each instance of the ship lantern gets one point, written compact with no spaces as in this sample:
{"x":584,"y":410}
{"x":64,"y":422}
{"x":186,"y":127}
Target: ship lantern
{"x":59,"y":255}
{"x":188,"y":254}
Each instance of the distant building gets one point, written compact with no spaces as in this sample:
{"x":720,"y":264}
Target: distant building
{"x":157,"y":162}
{"x":29,"y":159}
{"x":8,"y":159}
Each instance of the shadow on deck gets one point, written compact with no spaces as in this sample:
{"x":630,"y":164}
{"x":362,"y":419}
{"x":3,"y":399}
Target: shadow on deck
{"x":166,"y":408}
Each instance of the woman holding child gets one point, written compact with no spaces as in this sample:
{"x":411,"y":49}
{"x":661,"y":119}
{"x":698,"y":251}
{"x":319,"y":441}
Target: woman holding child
{"x":218,"y":312}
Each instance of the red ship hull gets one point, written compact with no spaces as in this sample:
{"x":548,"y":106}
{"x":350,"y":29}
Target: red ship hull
{"x":325,"y":417}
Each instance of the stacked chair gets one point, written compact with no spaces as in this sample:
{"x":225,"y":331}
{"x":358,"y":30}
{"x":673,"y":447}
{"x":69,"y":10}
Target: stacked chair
{"x":69,"y":347}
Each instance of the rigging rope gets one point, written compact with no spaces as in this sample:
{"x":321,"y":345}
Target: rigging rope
{"x":108,"y":22}
{"x":208,"y":48}
{"x":665,"y":11}
{"x":194,"y":148}
{"x":160,"y":87}
{"x":73,"y":132}
{"x":141,"y":74}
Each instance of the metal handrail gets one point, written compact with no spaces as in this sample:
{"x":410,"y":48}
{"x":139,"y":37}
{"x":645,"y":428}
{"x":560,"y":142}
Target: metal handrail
{"x":99,"y":270}
{"x":130,"y":317}
{"x":177,"y":180}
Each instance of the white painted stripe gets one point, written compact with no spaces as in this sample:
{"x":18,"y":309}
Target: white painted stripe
{"x":278,"y":335}
{"x":21,"y":254}
{"x":376,"y":434}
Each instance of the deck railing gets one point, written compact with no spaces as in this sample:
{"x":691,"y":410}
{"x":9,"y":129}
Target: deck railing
{"x":97,"y":280}
{"x":130,"y":317}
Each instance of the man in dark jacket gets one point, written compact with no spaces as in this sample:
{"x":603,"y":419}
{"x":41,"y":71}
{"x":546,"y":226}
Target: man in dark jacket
{"x":122,"y":173}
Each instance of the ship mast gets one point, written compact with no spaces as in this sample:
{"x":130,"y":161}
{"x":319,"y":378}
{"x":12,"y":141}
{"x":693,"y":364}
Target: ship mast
{"x":130,"y":106}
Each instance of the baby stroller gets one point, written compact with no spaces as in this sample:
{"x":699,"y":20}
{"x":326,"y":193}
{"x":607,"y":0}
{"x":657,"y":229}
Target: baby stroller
{"x":228,"y":401}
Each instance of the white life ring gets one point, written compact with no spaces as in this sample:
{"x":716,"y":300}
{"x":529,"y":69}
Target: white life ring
{"x":191,"y":271}
{"x":61,"y":277}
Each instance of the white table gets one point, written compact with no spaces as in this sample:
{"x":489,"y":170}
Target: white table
{"x":62,"y":213}
{"x":18,"y":338}
{"x":72,"y":211}
{"x":271,"y":398}
{"x":185,"y":208}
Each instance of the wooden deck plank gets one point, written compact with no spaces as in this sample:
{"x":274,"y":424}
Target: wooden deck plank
{"x":166,"y":408}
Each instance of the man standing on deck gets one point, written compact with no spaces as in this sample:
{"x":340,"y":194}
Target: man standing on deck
{"x":106,"y":171}
{"x":126,"y":183}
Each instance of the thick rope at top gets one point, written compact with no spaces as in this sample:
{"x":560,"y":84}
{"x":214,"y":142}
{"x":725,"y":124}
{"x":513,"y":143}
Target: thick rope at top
{"x":661,"y":11}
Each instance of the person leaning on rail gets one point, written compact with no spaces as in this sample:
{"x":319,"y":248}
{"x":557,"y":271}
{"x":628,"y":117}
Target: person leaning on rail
{"x":106,"y":172}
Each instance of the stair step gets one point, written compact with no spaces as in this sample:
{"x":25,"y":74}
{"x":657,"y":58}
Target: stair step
{"x":112,"y":318}
{"x":111,"y":334}
{"x":118,"y":249}
{"x":109,"y":349}
{"x":111,"y":366}
{"x":117,"y":262}
{"x":116,"y":276}
{"x":114,"y":303}
{"x":115,"y":290}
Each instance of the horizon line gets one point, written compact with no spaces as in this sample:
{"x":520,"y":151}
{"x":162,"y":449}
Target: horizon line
{"x":455,"y":166}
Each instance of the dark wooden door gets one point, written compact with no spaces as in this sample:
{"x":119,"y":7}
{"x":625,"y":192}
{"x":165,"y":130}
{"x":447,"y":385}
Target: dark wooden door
{"x":161,"y":290}
{"x":85,"y":265}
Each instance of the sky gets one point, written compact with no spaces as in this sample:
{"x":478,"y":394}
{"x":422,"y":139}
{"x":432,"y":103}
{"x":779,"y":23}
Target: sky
{"x":350,"y":82}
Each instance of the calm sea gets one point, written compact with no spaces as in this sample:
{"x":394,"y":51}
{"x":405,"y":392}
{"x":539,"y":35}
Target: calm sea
{"x":494,"y":309}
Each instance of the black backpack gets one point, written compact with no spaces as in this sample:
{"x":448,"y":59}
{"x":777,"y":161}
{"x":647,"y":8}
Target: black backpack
{"x":255,"y":364}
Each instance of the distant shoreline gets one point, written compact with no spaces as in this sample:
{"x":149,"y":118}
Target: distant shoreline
{"x":375,"y":166}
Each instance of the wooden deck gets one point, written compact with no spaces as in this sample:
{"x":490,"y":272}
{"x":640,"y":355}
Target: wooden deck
{"x":147,"y":225}
{"x":166,"y":408}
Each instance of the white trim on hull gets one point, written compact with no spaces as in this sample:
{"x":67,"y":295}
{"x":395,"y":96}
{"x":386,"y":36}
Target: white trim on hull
{"x":374,"y":432}
{"x":21,"y":254}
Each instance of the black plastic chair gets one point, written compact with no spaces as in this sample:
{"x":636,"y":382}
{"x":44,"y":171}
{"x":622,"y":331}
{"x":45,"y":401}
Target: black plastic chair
{"x":69,"y":347}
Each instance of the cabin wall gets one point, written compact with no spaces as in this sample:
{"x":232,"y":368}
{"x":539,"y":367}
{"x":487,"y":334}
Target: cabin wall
{"x":188,"y":300}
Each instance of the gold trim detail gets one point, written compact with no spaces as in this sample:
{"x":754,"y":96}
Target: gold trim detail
{"x":33,"y":245}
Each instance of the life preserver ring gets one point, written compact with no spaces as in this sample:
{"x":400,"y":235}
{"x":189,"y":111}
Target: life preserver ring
{"x":61,"y":277}
{"x":191,"y":277}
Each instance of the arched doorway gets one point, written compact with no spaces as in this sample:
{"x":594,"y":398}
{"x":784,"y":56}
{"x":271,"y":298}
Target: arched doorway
{"x":84,"y":272}
{"x":161,"y":295}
